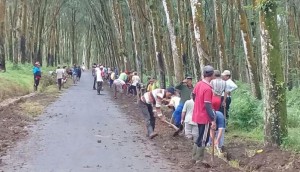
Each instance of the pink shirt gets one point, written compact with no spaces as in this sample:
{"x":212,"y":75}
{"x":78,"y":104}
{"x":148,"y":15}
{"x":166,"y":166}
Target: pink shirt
{"x":203,"y":92}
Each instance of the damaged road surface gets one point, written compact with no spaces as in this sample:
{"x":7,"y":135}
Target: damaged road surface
{"x":85,"y":132}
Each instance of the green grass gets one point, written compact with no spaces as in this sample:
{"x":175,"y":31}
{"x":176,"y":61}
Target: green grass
{"x":17,"y":81}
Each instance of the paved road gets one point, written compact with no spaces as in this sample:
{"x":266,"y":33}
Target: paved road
{"x":85,"y":132}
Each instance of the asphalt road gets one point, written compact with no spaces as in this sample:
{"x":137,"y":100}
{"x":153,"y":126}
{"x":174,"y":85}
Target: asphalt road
{"x":85,"y":132}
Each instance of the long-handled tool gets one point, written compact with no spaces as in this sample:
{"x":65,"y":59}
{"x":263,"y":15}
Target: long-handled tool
{"x":213,"y":144}
{"x":172,"y":125}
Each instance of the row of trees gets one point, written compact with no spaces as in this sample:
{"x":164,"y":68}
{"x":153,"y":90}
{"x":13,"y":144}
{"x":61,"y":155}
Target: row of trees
{"x":164,"y":38}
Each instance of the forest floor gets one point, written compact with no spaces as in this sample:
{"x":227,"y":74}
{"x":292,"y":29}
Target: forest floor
{"x":240,"y":153}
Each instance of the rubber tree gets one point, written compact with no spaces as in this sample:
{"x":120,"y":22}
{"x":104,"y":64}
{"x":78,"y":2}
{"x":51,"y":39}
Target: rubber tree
{"x":200,"y":33}
{"x":178,"y":66}
{"x":275,"y":111}
{"x":2,"y":34}
{"x":248,"y":49}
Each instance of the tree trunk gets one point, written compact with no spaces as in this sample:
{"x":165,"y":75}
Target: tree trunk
{"x":200,"y":33}
{"x":178,"y":66}
{"x":2,"y":34}
{"x":274,"y":86}
{"x":220,"y":34}
{"x":251,"y":62}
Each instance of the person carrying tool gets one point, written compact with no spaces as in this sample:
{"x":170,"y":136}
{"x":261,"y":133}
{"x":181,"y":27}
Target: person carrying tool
{"x":203,"y":114}
{"x":154,"y":99}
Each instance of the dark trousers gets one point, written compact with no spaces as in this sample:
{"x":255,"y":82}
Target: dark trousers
{"x":59,"y":82}
{"x":36,"y":83}
{"x":228,"y":102}
{"x":111,"y":82}
{"x":132,"y":88}
{"x":99,"y":86}
{"x":147,"y":111}
{"x":204,"y":132}
{"x":94,"y":86}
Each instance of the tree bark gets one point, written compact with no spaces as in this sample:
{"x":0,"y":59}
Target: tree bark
{"x":248,"y":49}
{"x":2,"y":34}
{"x":274,"y":87}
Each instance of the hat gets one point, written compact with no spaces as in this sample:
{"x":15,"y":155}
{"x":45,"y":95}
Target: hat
{"x":171,"y":90}
{"x":208,"y":71}
{"x":226,"y":73}
{"x":189,"y":77}
{"x":37,"y":63}
{"x":101,"y":66}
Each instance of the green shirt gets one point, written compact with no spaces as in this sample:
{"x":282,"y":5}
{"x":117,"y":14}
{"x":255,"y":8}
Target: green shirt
{"x":123,"y":76}
{"x":185,"y":92}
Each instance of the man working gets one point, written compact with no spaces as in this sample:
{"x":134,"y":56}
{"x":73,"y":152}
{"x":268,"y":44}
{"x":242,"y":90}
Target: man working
{"x":123,"y":76}
{"x":119,"y":86}
{"x":186,"y":88}
{"x":203,"y":113}
{"x":190,"y":127}
{"x":153,"y":99}
{"x":226,"y":96}
{"x":59,"y":75}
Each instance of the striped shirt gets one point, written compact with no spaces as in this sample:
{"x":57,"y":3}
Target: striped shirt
{"x":218,"y":86}
{"x":155,"y":98}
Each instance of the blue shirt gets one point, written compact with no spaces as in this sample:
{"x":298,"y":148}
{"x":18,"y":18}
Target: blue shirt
{"x":36,"y":71}
{"x":220,"y":120}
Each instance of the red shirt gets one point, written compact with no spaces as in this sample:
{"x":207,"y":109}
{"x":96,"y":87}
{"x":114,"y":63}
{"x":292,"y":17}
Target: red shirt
{"x":216,"y":102}
{"x":203,"y":92}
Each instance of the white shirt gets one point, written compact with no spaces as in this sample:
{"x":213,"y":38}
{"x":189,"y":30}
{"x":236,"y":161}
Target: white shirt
{"x":230,"y":86}
{"x":158,"y":95}
{"x":188,"y":108}
{"x":98,"y":75}
{"x":174,"y":101}
{"x":135,"y":80}
{"x":59,"y":73}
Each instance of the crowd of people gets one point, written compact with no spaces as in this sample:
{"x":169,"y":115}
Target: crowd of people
{"x":200,"y":112}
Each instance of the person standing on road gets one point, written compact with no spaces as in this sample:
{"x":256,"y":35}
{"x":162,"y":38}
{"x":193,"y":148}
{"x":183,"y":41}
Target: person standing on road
{"x":203,"y":113}
{"x":78,"y":73}
{"x":154,"y":99}
{"x":37,"y":74}
{"x":226,"y":96}
{"x":59,"y":75}
{"x":99,"y":78}
{"x":74,"y":74}
{"x":185,"y":88}
{"x":94,"y":75}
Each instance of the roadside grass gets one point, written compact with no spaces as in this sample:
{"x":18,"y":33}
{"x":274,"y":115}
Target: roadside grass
{"x":18,"y":81}
{"x":246,"y":118}
{"x":32,"y":109}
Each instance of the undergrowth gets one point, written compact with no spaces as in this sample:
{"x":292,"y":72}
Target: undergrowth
{"x":246,"y":117}
{"x":18,"y":81}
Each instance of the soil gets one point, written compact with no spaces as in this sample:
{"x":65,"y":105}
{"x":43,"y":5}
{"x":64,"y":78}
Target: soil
{"x":15,"y":122}
{"x":241,"y":155}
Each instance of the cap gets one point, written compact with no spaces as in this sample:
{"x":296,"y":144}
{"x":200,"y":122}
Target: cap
{"x":37,"y":63}
{"x":101,"y":66}
{"x":171,"y":90}
{"x":226,"y":73}
{"x":208,"y":71}
{"x":189,"y":77}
